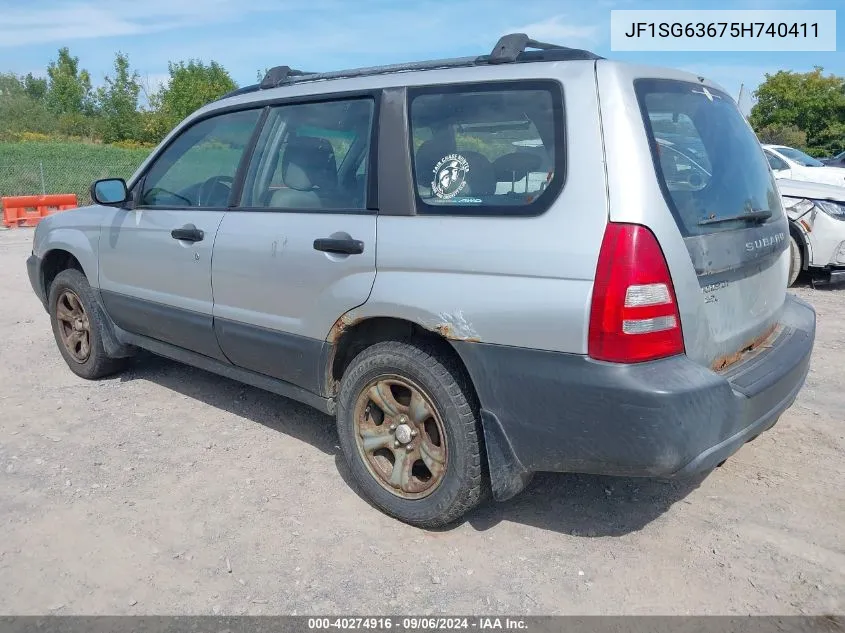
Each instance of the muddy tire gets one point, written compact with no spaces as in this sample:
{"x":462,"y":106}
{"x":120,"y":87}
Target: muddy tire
{"x":409,"y":429}
{"x":796,"y":261}
{"x":78,"y":325}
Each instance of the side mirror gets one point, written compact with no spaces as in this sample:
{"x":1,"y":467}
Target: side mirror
{"x":110,"y":191}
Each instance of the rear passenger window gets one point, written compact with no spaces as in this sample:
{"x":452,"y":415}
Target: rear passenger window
{"x":312,"y":156}
{"x":491,"y":149}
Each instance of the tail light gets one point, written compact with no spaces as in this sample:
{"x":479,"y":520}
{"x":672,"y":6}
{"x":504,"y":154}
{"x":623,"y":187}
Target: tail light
{"x":634,"y":314}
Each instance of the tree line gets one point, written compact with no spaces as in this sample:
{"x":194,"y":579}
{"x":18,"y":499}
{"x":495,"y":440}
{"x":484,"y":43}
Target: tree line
{"x":65,"y":104}
{"x":803,"y":110}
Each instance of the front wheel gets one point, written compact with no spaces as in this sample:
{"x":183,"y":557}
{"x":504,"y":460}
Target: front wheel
{"x":410,"y":433}
{"x":78,"y":324}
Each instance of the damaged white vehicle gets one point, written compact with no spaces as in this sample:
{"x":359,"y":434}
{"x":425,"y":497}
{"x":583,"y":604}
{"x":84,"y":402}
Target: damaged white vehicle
{"x":816,"y":229}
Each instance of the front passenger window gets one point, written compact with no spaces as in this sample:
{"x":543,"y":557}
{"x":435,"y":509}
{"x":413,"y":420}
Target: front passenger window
{"x":198,"y":168}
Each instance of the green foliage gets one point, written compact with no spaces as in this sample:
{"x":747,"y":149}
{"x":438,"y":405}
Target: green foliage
{"x":117,"y":102}
{"x":491,"y":148}
{"x":35,"y":87}
{"x":811,"y":102}
{"x":67,"y":167}
{"x":153,"y":126}
{"x":69,"y":87}
{"x":20,"y":113}
{"x":776,"y":134}
{"x":22,"y":105}
{"x":76,"y":124}
{"x":191,"y":86}
{"x":48,"y":125}
{"x":10,"y":85}
{"x":831,"y":140}
{"x":63,"y":104}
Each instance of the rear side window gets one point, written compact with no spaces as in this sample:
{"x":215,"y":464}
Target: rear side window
{"x":487,"y":149}
{"x":711,"y":168}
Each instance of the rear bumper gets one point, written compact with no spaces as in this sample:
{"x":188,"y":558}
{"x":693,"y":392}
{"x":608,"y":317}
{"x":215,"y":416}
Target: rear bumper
{"x":548,"y":411}
{"x":33,"y":269}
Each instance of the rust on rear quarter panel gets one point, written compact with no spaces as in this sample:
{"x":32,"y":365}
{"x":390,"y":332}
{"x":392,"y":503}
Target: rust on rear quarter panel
{"x":447,"y":330}
{"x":731,"y":359}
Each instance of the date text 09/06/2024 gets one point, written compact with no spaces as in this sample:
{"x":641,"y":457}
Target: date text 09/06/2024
{"x":424,"y":623}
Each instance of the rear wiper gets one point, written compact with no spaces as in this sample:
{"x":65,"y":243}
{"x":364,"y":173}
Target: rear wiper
{"x":758,"y":215}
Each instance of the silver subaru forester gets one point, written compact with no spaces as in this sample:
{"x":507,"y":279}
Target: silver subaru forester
{"x":532,"y":260}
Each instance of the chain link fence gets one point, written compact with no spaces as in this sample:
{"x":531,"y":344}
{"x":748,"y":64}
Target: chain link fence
{"x":30,"y":168}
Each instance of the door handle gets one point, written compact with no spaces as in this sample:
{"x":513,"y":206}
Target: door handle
{"x":339,"y":246}
{"x":188,"y":233}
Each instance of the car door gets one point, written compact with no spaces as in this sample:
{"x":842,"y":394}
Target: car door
{"x":300,"y":251}
{"x":155,"y":258}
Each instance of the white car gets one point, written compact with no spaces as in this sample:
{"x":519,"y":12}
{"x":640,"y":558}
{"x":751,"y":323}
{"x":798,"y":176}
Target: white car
{"x":788,"y":162}
{"x":816,"y":229}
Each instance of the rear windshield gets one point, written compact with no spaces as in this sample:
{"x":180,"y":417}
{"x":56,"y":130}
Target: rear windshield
{"x":800,"y":157}
{"x":712,"y":170}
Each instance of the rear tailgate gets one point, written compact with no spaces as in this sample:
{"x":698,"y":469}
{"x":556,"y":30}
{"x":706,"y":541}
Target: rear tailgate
{"x":722,"y":196}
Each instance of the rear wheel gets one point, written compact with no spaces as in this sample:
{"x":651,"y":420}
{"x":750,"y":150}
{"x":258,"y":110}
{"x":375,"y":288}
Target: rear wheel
{"x":410,"y":433}
{"x":78,"y":324}
{"x":796,"y":260}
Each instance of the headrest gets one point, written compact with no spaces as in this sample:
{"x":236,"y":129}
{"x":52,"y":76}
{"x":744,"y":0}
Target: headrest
{"x":308,"y":164}
{"x":481,"y":179}
{"x":516,"y":165}
{"x":427,"y":156}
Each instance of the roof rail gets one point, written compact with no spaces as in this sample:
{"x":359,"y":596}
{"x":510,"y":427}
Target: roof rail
{"x":279,"y":75}
{"x":510,"y":48}
{"x":240,"y":91}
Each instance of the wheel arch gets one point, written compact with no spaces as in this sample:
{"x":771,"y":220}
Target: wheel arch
{"x":800,"y":235}
{"x":55,"y":261}
{"x":353,"y":333}
{"x":69,"y":245}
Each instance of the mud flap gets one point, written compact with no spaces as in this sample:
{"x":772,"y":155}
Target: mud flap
{"x":112,"y":343}
{"x":508,"y":477}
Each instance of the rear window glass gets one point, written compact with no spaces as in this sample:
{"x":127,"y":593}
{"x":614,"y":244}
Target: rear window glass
{"x":492,"y":149}
{"x":712,"y":169}
{"x":800,"y":157}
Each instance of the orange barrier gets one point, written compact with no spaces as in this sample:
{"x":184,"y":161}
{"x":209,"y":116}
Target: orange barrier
{"x":28,"y":210}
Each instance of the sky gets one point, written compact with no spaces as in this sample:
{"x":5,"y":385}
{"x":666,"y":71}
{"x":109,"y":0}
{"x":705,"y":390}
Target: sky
{"x":248,"y":36}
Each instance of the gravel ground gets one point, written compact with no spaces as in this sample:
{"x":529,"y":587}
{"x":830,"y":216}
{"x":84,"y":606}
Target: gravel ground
{"x":168,"y":490}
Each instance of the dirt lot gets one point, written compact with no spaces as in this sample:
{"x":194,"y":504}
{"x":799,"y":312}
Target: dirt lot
{"x":170,"y":490}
